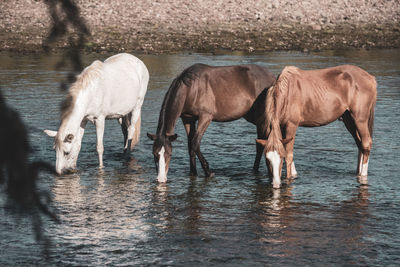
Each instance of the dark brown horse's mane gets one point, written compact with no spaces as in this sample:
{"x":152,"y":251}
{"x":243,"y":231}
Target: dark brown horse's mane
{"x":187,"y":77}
{"x":190,"y":74}
{"x":276,"y":105}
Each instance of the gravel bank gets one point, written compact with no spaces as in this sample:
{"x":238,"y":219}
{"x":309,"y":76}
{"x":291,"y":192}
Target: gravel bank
{"x":155,"y":26}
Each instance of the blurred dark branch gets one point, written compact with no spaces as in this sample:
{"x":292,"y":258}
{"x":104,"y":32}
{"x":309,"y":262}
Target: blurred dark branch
{"x":17,"y":175}
{"x":67,"y":23}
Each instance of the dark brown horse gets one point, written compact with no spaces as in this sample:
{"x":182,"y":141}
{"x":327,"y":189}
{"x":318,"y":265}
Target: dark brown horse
{"x":202,"y":94}
{"x":315,"y":98}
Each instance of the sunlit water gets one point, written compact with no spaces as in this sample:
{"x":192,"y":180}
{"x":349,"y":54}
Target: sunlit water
{"x":121,"y":216}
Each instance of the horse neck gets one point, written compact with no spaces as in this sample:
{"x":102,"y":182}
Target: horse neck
{"x":171,"y":110}
{"x":72,"y":122}
{"x":273,"y":116}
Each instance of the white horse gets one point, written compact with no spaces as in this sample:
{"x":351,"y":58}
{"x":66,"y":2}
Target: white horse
{"x":113,"y":89}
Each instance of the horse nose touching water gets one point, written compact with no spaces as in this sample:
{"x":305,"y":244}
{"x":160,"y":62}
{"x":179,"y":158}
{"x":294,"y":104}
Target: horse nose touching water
{"x":113,"y":89}
{"x":201,"y":94}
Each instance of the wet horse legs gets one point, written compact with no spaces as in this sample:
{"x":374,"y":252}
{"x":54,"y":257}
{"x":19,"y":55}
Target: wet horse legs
{"x":362,"y":137}
{"x":259,"y":149}
{"x":204,"y":122}
{"x":366,"y":143}
{"x":124,"y":122}
{"x":190,"y":127}
{"x":99,"y":122}
{"x":290,"y":134}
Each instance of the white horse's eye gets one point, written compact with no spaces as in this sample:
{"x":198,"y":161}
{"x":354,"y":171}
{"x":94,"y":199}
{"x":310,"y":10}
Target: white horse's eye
{"x":66,"y":153}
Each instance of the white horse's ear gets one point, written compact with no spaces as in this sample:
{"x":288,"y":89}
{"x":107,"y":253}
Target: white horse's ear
{"x":50,"y":133}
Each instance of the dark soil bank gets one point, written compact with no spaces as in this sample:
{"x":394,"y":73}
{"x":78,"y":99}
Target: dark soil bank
{"x":156,"y":26}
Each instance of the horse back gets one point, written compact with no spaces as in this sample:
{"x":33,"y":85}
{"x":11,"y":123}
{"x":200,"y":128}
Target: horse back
{"x":318,"y":97}
{"x":227,"y":92}
{"x":124,"y":81}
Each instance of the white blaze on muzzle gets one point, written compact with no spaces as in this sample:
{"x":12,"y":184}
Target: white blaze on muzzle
{"x":162,"y":175}
{"x":275,"y":160}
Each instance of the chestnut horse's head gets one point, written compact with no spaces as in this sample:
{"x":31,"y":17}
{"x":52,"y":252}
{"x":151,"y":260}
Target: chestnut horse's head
{"x":275,"y":152}
{"x":162,"y":151}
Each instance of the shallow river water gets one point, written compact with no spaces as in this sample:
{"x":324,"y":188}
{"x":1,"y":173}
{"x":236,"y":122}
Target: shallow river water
{"x":121,"y":216}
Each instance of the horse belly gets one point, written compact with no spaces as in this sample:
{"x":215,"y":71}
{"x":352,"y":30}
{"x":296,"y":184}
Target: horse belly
{"x":120,"y":97}
{"x":319,"y":115}
{"x":233,"y":109}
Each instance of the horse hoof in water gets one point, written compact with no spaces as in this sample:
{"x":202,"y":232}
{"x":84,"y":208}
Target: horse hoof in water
{"x":276,"y":186}
{"x":210,"y":175}
{"x":293,"y":176}
{"x":363,"y":179}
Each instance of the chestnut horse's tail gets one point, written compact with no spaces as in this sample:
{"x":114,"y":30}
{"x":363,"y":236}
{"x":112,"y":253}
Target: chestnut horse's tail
{"x":136,"y":136}
{"x":371,"y":120}
{"x":372,"y":111}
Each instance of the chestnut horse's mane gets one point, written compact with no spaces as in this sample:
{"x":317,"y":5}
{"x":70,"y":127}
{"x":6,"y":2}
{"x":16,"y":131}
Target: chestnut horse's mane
{"x":276,"y":105}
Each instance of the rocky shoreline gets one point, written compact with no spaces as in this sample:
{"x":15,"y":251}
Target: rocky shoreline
{"x":210,"y":26}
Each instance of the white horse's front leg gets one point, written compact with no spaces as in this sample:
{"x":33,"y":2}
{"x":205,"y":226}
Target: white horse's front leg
{"x":99,"y":122}
{"x":80,"y":137}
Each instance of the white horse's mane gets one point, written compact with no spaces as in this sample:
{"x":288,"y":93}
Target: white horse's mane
{"x":84,"y":80}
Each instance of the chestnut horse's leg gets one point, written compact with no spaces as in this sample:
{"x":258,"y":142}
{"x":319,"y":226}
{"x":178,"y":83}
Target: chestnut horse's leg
{"x":361,"y":133}
{"x":351,"y":127}
{"x":190,"y":127}
{"x":290,"y":136}
{"x":204,"y":122}
{"x":366,"y":144}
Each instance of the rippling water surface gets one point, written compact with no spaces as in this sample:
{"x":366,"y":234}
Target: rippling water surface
{"x":121,"y":216}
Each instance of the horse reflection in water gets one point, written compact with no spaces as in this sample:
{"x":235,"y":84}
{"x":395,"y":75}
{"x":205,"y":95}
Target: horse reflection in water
{"x":114,"y":89}
{"x":315,"y":98}
{"x":91,"y":207}
{"x":290,"y":227}
{"x":201,"y":94}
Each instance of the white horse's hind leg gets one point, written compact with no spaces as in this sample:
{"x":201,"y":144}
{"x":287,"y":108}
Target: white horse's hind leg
{"x":100,"y":133}
{"x":124,"y":127}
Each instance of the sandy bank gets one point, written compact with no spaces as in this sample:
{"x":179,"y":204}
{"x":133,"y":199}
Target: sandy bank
{"x":153,"y":26}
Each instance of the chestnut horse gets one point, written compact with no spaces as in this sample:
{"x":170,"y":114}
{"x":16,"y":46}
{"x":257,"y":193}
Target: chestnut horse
{"x":312,"y":98}
{"x":206,"y":93}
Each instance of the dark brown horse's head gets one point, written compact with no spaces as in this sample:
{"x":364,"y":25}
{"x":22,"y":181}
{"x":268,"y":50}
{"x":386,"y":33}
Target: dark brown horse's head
{"x":162,"y":152}
{"x":275,"y":152}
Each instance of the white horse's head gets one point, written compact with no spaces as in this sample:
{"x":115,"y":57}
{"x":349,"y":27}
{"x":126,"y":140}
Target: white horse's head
{"x":67,"y":148}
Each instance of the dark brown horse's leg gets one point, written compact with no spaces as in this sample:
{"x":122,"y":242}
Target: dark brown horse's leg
{"x":190,"y":127}
{"x":204,"y":122}
{"x":351,"y":127}
{"x":259,"y":149}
